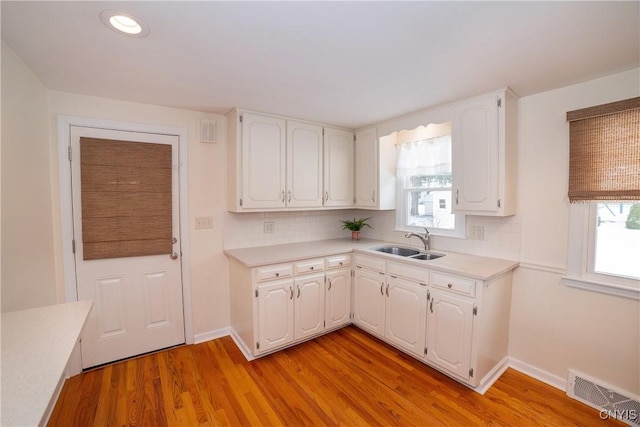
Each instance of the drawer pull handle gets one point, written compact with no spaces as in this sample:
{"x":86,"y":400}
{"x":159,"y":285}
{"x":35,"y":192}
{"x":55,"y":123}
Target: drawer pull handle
{"x":422,"y":284}
{"x":329,"y":284}
{"x":449,"y":286}
{"x":382,"y":288}
{"x":431,"y":306}
{"x":298,"y":291}
{"x":387,"y":290}
{"x":291,"y":290}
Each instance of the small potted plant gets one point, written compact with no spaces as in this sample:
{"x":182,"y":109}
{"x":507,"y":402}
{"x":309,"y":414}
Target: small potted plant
{"x":355,"y":226}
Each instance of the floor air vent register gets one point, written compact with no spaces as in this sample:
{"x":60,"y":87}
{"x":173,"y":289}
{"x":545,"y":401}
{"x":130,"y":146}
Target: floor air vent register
{"x":611,"y":402}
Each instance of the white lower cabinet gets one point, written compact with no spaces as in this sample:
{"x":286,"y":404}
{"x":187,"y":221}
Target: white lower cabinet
{"x":275,"y":314}
{"x":309,"y":305}
{"x":406,"y":309}
{"x":368,"y":298}
{"x":391,"y":302}
{"x":455,"y":324}
{"x":449,"y":333}
{"x":338,"y":298}
{"x":277,"y":305}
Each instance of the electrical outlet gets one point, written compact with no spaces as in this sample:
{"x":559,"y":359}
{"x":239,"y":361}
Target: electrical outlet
{"x":269,"y":227}
{"x":204,"y":222}
{"x":476,"y":233}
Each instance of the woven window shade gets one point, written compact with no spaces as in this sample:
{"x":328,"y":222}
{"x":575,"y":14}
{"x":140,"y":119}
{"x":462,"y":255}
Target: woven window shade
{"x":604,"y":157}
{"x":126,"y":198}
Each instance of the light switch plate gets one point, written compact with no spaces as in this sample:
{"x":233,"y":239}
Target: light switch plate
{"x":204,"y":222}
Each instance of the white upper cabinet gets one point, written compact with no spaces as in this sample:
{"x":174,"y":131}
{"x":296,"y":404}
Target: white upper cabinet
{"x":304,"y":165}
{"x":279,"y":164}
{"x":484,"y":141}
{"x":338,"y":168}
{"x":375,"y":173}
{"x":263,"y":161}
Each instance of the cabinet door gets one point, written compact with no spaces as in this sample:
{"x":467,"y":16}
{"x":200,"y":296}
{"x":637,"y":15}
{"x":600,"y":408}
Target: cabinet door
{"x":338,"y":298}
{"x":275,"y":315}
{"x":366,"y":161}
{"x":406,"y":314}
{"x":263,"y":161}
{"x":338,"y":167}
{"x":309,"y":305}
{"x":304,"y":165}
{"x":449,"y":333}
{"x":368,"y":302}
{"x":475,"y":145}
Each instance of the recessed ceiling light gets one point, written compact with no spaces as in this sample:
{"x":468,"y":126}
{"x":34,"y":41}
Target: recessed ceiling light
{"x":124,"y":23}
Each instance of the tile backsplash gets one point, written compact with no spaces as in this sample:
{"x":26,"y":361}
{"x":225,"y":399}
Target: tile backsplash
{"x":242,"y":230}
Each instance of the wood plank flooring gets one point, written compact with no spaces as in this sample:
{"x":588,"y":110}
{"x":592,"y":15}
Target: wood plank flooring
{"x":344,"y":378}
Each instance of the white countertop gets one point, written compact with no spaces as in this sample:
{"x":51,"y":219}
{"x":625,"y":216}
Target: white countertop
{"x":473,"y":266}
{"x":36,"y":347}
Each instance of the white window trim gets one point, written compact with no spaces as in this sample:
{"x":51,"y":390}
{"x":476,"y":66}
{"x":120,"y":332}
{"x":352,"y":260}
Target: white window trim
{"x":580,"y":259}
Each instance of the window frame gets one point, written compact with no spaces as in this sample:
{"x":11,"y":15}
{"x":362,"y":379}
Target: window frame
{"x":581,"y":256}
{"x":402,"y":198}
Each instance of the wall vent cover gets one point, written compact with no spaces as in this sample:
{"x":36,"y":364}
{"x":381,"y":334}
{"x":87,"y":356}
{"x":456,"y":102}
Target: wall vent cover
{"x":208,"y":131}
{"x":612,"y":402}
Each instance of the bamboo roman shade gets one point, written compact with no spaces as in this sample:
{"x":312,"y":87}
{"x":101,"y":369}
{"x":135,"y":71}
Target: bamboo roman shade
{"x":604,"y":157}
{"x":126,"y":198}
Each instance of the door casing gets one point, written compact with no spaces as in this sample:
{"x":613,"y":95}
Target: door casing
{"x":66,"y":212}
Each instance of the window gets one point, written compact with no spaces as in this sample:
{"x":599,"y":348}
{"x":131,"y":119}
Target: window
{"x":616,"y":243}
{"x":425,"y":181}
{"x":604,"y":240}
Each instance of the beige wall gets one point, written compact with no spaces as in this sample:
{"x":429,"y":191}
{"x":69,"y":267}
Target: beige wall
{"x":28,"y":270}
{"x":554,"y":327}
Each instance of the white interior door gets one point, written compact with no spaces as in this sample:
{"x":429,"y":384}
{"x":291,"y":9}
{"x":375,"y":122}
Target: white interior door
{"x":137,"y":296}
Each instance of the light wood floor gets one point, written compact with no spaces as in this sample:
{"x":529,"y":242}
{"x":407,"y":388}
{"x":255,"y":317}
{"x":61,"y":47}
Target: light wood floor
{"x":343,"y":378}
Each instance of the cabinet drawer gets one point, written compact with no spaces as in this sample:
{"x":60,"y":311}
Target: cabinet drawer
{"x":371,"y":263}
{"x":271,"y":272}
{"x":460,"y":285}
{"x":419,"y":275}
{"x":308,"y":266}
{"x":338,"y":261}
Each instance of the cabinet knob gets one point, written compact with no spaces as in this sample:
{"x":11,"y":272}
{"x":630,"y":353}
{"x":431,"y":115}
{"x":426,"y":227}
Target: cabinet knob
{"x":311,"y":267}
{"x":340,"y":263}
{"x":449,"y":286}
{"x":277,"y":274}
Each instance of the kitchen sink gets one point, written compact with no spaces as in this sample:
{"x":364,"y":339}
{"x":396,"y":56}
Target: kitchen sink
{"x":408,"y":252}
{"x":427,"y":256}
{"x":397,"y":250}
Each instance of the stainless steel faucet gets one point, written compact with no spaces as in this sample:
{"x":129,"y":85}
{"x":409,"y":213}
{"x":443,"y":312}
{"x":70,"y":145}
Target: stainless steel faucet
{"x":425,"y":238}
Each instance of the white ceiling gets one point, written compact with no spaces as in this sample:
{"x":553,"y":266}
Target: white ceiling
{"x":341,"y":63}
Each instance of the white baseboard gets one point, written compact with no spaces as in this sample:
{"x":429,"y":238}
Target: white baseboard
{"x":243,"y":348}
{"x":493,"y":376}
{"x":539,"y":374}
{"x":211,"y":335}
